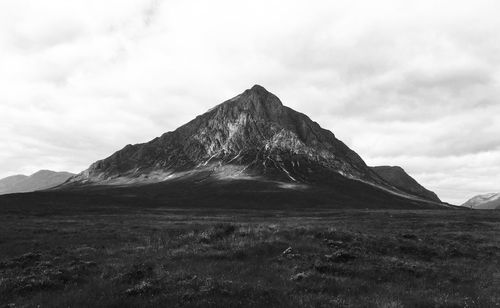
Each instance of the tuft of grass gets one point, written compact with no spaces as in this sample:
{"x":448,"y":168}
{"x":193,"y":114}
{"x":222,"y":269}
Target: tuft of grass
{"x":217,"y":232}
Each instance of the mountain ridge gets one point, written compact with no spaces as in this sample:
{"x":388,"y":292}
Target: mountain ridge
{"x":484,"y":201}
{"x":42,"y":179}
{"x":399,"y":178}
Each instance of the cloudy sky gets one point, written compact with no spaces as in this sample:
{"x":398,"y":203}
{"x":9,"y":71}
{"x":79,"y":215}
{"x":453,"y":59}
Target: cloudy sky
{"x":409,"y":83}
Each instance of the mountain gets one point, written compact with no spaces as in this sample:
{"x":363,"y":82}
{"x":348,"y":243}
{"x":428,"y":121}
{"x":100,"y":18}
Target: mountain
{"x":9,"y":183}
{"x":398,"y":177}
{"x":253,"y":130}
{"x":42,"y":179}
{"x":251,"y":144}
{"x":485,"y":202}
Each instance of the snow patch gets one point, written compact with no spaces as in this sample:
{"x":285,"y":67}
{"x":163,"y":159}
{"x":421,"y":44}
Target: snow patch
{"x":208,"y":160}
{"x":287,"y":173}
{"x":235,"y":157}
{"x":292,"y":186}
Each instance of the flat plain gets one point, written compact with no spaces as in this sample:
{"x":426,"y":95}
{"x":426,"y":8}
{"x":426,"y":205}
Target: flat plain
{"x":158,"y":257}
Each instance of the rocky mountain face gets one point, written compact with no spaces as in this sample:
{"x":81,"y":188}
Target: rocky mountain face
{"x":40,"y":180}
{"x":484,"y":202}
{"x":398,"y":177}
{"x":249,"y":137}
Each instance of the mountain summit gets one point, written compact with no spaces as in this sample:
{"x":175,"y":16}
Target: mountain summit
{"x":251,"y":137}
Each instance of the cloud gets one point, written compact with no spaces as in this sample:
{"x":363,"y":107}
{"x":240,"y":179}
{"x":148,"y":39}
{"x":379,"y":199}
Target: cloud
{"x":401,"y":82}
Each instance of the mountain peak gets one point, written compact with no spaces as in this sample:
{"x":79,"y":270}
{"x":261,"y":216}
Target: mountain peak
{"x":259,"y":95}
{"x":256,"y":103}
{"x":43,"y":172}
{"x":259,"y":89}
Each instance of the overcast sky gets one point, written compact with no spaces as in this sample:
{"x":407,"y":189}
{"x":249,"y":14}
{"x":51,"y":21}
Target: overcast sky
{"x":409,"y":83}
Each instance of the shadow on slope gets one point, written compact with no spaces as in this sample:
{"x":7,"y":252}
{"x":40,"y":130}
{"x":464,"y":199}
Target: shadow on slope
{"x":201,"y":191}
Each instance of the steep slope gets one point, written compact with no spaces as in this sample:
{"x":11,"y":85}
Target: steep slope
{"x":398,"y":177}
{"x":250,"y":143}
{"x":42,"y":179}
{"x":484,"y":202}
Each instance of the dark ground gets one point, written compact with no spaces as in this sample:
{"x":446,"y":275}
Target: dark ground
{"x":140,"y":257}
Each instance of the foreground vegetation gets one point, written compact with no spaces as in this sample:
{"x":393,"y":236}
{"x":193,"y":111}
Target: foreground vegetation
{"x":193,"y":258}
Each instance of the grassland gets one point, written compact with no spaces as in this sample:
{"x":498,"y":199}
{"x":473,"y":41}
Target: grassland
{"x":153,"y":257}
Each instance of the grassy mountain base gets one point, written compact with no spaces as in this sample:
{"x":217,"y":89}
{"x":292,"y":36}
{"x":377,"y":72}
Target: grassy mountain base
{"x":157,"y":257}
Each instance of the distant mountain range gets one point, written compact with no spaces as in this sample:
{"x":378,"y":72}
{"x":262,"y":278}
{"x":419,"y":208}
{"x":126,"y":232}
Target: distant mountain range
{"x":40,"y":180}
{"x":251,"y":150}
{"x":484,"y":202}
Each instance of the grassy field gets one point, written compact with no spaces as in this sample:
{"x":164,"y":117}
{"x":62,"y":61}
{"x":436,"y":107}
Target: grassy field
{"x":220,"y":258}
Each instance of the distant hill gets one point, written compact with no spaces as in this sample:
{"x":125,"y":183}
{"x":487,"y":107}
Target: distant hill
{"x":398,"y":177}
{"x":484,"y":202}
{"x":42,"y":179}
